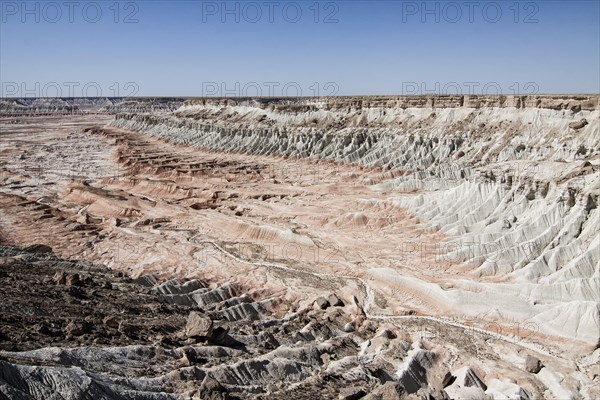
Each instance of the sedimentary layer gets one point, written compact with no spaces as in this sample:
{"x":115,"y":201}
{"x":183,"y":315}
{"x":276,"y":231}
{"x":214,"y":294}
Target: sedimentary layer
{"x":513,"y":181}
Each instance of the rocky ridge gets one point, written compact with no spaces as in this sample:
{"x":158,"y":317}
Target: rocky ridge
{"x":85,"y":332}
{"x":29,"y":106}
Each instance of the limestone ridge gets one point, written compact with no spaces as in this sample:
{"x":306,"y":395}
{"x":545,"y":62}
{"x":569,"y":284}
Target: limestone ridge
{"x":84,"y":105}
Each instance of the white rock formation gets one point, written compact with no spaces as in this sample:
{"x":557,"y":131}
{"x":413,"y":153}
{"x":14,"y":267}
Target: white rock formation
{"x":512,"y":181}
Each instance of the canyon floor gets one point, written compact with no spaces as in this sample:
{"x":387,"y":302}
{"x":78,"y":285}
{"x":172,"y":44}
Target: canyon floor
{"x":139,"y":267}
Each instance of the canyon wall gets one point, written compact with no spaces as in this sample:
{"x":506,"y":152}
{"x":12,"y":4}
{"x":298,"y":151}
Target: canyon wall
{"x":512,"y":180}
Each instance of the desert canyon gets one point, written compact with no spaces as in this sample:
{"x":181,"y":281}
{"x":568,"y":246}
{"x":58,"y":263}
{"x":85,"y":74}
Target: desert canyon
{"x":400,"y":247}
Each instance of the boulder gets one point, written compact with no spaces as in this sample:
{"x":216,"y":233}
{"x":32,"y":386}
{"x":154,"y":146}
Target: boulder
{"x":189,"y":357}
{"x":448,"y":380}
{"x":388,"y":391}
{"x":533,"y":364}
{"x":219,"y":334}
{"x":413,"y":376}
{"x":211,"y":389}
{"x":335,"y":301}
{"x":466,"y":377}
{"x":465,"y":383}
{"x":321,"y":303}
{"x":578,"y":124}
{"x":386,"y":333}
{"x":470,"y":378}
{"x":198,"y":325}
{"x":351,"y":393}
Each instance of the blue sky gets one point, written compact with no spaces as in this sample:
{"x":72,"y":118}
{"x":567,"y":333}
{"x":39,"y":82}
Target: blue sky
{"x":196,"y":48}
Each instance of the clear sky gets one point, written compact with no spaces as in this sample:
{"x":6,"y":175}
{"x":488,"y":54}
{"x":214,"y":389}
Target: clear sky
{"x":199,"y":48}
